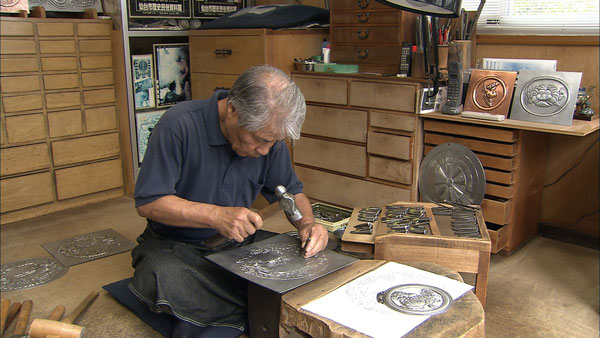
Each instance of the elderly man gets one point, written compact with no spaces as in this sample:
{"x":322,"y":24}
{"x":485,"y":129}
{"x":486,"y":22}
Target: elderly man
{"x":205,"y":164}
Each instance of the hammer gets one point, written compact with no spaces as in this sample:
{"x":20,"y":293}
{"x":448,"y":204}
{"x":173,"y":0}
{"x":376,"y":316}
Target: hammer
{"x":12,"y":313}
{"x":41,"y":328}
{"x":22,"y":320}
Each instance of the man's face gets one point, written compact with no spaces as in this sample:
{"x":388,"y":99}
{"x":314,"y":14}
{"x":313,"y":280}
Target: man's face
{"x":245,"y":143}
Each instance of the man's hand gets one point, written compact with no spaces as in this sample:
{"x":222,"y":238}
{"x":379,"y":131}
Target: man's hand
{"x":318,"y":239}
{"x":237,"y":223}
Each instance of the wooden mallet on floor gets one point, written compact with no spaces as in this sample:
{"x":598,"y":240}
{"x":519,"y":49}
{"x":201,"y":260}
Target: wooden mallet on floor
{"x":42,"y":328}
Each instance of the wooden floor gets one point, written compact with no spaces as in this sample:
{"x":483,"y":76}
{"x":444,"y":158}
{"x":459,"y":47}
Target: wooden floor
{"x":546,"y":289}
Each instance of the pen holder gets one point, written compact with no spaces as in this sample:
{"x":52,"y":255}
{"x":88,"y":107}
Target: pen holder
{"x":442,"y":57}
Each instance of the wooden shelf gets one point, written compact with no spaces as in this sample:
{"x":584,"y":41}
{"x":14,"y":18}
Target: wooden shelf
{"x":578,"y":128}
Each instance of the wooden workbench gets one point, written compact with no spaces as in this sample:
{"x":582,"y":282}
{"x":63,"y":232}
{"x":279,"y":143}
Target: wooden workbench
{"x":464,"y":319}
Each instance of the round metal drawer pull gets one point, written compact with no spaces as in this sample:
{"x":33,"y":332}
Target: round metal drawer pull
{"x":362,"y":54}
{"x":364,"y":19}
{"x":223,"y":52}
{"x":362,"y":36}
{"x":361,"y":5}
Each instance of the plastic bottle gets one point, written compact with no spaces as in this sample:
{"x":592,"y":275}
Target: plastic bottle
{"x":326,"y":57}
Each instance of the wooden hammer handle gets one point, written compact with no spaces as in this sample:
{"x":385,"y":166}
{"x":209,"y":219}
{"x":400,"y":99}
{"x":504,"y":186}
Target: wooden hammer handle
{"x":23,"y":318}
{"x":4,"y":314}
{"x":12,"y":314}
{"x":69,"y":319}
{"x":58,"y":313}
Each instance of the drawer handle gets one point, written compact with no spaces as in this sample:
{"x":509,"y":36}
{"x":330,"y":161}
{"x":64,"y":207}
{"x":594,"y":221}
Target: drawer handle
{"x":365,"y":19}
{"x":221,"y":88}
{"x":360,"y":4}
{"x":362,"y":36}
{"x":223,"y":52}
{"x":362,"y":54}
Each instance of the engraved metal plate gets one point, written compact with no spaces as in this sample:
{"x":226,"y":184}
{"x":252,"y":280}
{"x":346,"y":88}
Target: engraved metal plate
{"x":88,"y":247}
{"x":67,"y":5}
{"x":416,"y":299}
{"x":451,"y":172}
{"x":277,"y":263}
{"x":547,"y":97}
{"x":490,"y":91}
{"x":30,"y":273}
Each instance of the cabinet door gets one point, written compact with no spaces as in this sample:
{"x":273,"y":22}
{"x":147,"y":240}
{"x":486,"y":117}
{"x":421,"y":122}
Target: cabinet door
{"x":226,"y":54}
{"x":205,"y":84}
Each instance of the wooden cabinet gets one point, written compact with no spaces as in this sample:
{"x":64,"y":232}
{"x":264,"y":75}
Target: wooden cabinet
{"x":369,"y":34}
{"x":361,"y":139}
{"x":219,"y":56}
{"x":60,"y":140}
{"x":513,"y":162}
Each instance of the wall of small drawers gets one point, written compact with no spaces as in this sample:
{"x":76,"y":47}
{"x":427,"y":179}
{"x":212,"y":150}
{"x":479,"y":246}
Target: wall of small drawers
{"x":59,"y":137}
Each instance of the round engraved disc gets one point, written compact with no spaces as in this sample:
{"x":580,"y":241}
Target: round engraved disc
{"x":416,"y":299}
{"x":273,"y":261}
{"x":30,"y":273}
{"x":544,"y":96}
{"x":8,"y":3}
{"x":89,"y":246}
{"x":451,"y":172}
{"x":489,"y":93}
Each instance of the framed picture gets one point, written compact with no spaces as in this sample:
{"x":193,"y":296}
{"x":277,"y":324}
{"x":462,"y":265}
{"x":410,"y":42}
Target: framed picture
{"x":159,"y":9}
{"x":173,"y":82}
{"x":145,"y":122}
{"x":143,"y":81}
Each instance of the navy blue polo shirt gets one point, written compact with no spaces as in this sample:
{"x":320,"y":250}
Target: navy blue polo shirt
{"x":188,"y":156}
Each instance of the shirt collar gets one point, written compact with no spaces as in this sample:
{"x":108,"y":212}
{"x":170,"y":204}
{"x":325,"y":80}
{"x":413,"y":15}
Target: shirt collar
{"x":212,"y":125}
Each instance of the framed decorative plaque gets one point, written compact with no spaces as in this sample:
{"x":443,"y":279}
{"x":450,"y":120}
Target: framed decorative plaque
{"x":143,"y":81}
{"x":490,"y":91}
{"x":547,"y":97}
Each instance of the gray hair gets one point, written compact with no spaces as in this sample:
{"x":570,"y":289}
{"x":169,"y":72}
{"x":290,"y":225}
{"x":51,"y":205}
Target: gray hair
{"x":264,"y":96}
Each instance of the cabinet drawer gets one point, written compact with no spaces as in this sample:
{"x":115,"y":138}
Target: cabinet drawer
{"x":55,"y":29}
{"x":22,"y":103}
{"x":366,"y":17}
{"x":25,"y":191}
{"x":323,"y":90}
{"x":390,"y":170}
{"x":17,"y":84}
{"x":18,"y":65}
{"x":102,"y":118}
{"x":497,"y":212}
{"x":336,"y":5}
{"x":57,"y":47}
{"x":59,"y":63}
{"x":85,"y":149}
{"x":383,"y":95}
{"x":94,"y":29}
{"x":99,"y":96}
{"x":390,"y":145}
{"x":204,"y":84}
{"x":25,"y":128}
{"x":365,"y":54}
{"x":96,"y":61}
{"x":393,"y":121}
{"x":488,"y":133}
{"x":95,"y":46}
{"x":345,"y":158}
{"x":499,"y":237}
{"x":365,"y":35}
{"x":10,"y":46}
{"x":97,"y":79}
{"x":488,"y":161}
{"x":62,"y":100}
{"x":344,"y":124}
{"x":495,"y":148}
{"x":88,"y":179}
{"x":23,"y":159}
{"x":64,"y":123}
{"x":61,"y":81}
{"x":9,"y":28}
{"x":326,"y":187}
{"x":226,"y":54}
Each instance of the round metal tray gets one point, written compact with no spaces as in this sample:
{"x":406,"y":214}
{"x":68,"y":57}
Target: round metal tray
{"x":416,"y":299}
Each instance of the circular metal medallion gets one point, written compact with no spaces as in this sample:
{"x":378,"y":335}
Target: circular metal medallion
{"x":489,"y":93}
{"x":274,"y":261}
{"x":545,"y":96}
{"x":451,"y":172}
{"x":89,"y":246}
{"x":416,"y":299}
{"x":30,"y":273}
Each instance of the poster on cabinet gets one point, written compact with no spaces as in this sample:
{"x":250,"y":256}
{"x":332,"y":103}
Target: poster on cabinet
{"x":173,"y":83}
{"x":143,"y":81}
{"x":145,"y":123}
{"x":159,"y":9}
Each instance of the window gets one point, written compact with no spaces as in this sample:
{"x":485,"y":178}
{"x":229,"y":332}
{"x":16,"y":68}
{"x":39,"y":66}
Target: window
{"x":544,"y":17}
